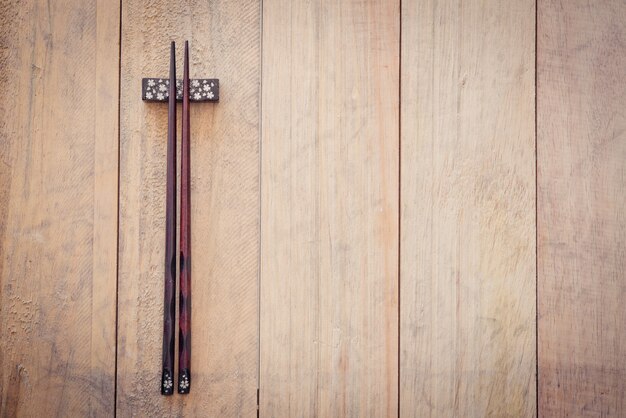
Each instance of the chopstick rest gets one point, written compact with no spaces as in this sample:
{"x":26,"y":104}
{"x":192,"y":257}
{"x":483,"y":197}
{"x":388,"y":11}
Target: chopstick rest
{"x":200,"y":89}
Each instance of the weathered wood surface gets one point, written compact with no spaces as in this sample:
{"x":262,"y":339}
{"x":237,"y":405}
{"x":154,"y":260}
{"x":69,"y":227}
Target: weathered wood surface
{"x":326,"y":211}
{"x":581,"y":99}
{"x":224,"y":43}
{"x":329,"y":211}
{"x":467,"y":343}
{"x":58,"y":207}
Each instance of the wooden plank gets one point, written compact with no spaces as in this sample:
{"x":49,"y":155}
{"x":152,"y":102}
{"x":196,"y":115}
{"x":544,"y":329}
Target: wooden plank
{"x":329,"y":209}
{"x":58,"y":206}
{"x":581,"y":148}
{"x":467,"y":343}
{"x":225,"y":44}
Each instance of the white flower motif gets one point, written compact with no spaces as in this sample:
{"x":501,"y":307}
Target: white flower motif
{"x":151,"y":83}
{"x":197,"y":96}
{"x":167,"y":381}
{"x":212,"y":84}
{"x":206,"y":88}
{"x":183,"y":382}
{"x":159,"y":96}
{"x":162,"y":87}
{"x":210,"y":95}
{"x":160,"y":80}
{"x":149,"y":95}
{"x":195,"y":83}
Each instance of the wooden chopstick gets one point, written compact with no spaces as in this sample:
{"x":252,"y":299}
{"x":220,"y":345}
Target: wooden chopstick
{"x":169,"y":301}
{"x":184,"y":338}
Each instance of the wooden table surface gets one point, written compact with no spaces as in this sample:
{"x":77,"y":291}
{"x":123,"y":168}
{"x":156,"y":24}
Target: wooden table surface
{"x":399,"y":208}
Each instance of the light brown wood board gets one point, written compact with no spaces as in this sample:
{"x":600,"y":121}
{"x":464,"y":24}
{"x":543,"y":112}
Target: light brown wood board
{"x":58,"y":207}
{"x":329,"y":209}
{"x":467,"y":261}
{"x":581,"y":161}
{"x":225,"y":44}
{"x":381,"y":243}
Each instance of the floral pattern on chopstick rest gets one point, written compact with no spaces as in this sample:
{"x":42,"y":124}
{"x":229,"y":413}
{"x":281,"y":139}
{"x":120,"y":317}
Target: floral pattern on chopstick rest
{"x":200,"y":90}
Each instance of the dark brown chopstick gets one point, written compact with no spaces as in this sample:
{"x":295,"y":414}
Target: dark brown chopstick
{"x":184,"y":337}
{"x":169,"y":301}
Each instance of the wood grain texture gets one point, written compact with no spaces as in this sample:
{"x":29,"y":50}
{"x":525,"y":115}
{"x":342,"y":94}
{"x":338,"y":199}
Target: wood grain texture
{"x":581,"y":148}
{"x":58,"y":206}
{"x":224,"y":40}
{"x":329,"y":209}
{"x":467,"y":343}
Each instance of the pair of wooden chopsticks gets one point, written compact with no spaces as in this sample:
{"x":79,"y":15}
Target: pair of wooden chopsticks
{"x":169,"y":311}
